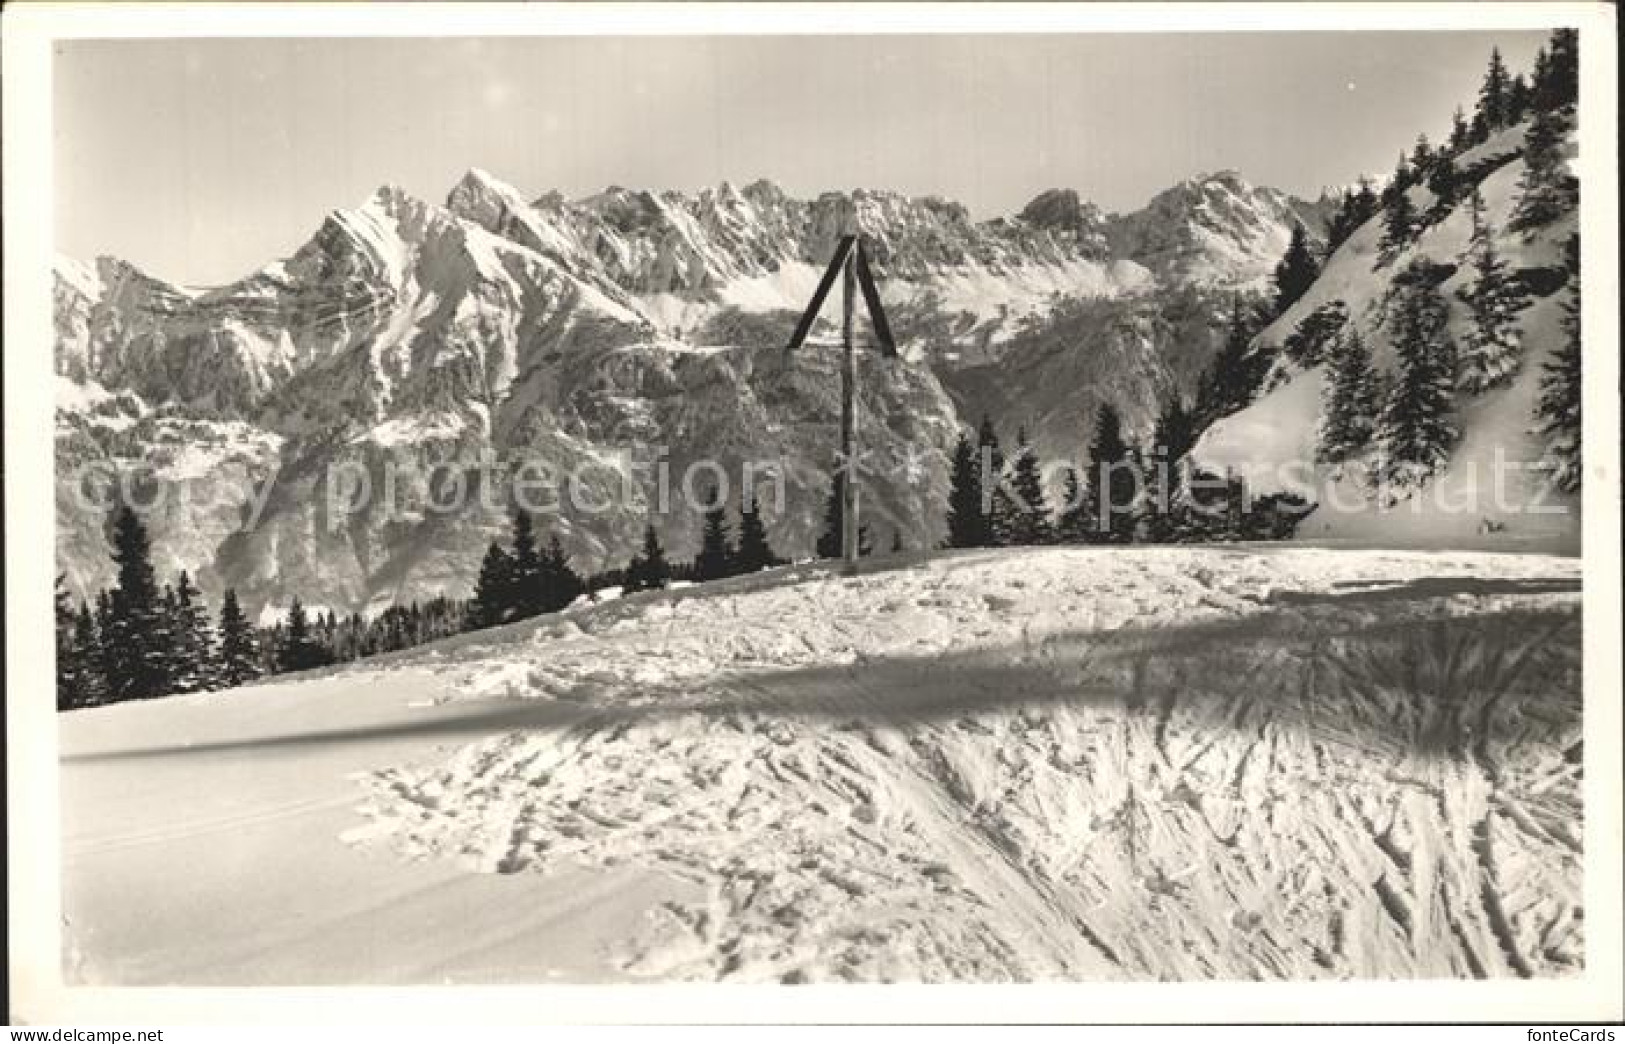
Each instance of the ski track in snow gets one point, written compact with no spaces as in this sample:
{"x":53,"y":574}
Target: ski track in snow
{"x":1047,"y":765}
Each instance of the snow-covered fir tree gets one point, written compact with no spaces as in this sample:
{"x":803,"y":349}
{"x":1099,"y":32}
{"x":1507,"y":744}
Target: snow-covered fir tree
{"x":195,"y":666}
{"x":1416,"y":430}
{"x":1399,"y":218}
{"x":1031,"y":522}
{"x":239,"y":646}
{"x":1547,"y":190}
{"x":1557,"y":413}
{"x":1490,"y":349}
{"x":1349,"y":402}
{"x":136,"y":638}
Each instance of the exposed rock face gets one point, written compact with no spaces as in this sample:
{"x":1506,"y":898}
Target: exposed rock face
{"x":420,"y":345}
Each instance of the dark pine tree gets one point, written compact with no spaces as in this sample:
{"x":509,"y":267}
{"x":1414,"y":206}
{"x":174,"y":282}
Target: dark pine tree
{"x":196,"y":666}
{"x":1490,"y":352}
{"x":561,"y":584}
{"x":1460,"y":133}
{"x":528,"y":597}
{"x":999,"y":516}
{"x":1174,"y":433}
{"x":1349,"y":404}
{"x":69,"y":667}
{"x":1557,"y":80}
{"x":493,"y":601}
{"x":87,"y":646}
{"x":829,"y":541}
{"x":1297,"y":271}
{"x":1492,"y":96}
{"x":1444,"y":181}
{"x":1415,"y":432}
{"x":1546,"y":190}
{"x":1236,"y":371}
{"x":716,"y":557}
{"x":1399,"y":225}
{"x":137,"y":642}
{"x":1031,"y":523}
{"x":967,"y":523}
{"x":648,"y":570}
{"x":755,"y":553}
{"x":300,"y":650}
{"x":1104,"y":513}
{"x":1519,"y":100}
{"x":1557,"y":413}
{"x":1422,"y":157}
{"x":239,"y":645}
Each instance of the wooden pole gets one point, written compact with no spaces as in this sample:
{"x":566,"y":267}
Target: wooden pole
{"x":849,"y":416}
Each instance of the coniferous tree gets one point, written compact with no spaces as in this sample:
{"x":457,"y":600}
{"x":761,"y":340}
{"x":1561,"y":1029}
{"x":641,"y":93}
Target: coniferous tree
{"x":299,"y":649}
{"x":137,"y":640}
{"x":648,"y":570}
{"x":1492,"y":95}
{"x":69,"y":666}
{"x":1174,"y":433}
{"x":1349,"y":402}
{"x":195,"y":664}
{"x":1546,"y":190}
{"x":1001,"y":509}
{"x":1030,"y":523}
{"x":1444,"y":181}
{"x":92,"y":689}
{"x":1235,"y":372}
{"x":967,"y":524}
{"x":527,"y":597}
{"x":829,"y":541}
{"x":1557,"y":413}
{"x":716,"y":549}
{"x":493,"y":601}
{"x":239,"y":647}
{"x":561,"y":584}
{"x":1490,"y":354}
{"x":1399,"y":224}
{"x":1357,"y":207}
{"x":1415,"y":432}
{"x":1460,"y":133}
{"x":754,"y":553}
{"x":1556,"y":82}
{"x":1297,"y":271}
{"x":1105,"y":511}
{"x":1422,"y":157}
{"x":1519,"y":99}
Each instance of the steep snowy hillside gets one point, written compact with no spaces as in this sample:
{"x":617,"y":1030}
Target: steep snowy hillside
{"x":1488,"y":494}
{"x":431,"y":338}
{"x":1148,"y":764}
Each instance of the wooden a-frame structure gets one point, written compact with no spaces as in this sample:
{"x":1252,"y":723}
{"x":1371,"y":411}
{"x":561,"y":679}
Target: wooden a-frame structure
{"x":851,"y":263}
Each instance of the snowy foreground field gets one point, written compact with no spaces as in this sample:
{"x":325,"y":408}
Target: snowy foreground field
{"x":1052,"y":764}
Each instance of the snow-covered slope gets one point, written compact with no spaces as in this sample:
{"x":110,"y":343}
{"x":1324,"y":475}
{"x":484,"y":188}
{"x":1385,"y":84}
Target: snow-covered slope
{"x":421,"y":337}
{"x":1489,"y":495}
{"x":1192,"y":763}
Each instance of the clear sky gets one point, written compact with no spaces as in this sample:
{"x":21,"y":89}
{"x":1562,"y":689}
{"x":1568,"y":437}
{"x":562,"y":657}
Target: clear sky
{"x":200,"y":160}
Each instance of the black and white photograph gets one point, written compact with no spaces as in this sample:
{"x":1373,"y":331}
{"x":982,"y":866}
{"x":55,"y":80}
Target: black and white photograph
{"x":898,"y":504}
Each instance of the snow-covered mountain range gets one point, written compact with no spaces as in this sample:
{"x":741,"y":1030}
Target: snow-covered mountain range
{"x":583,"y":330}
